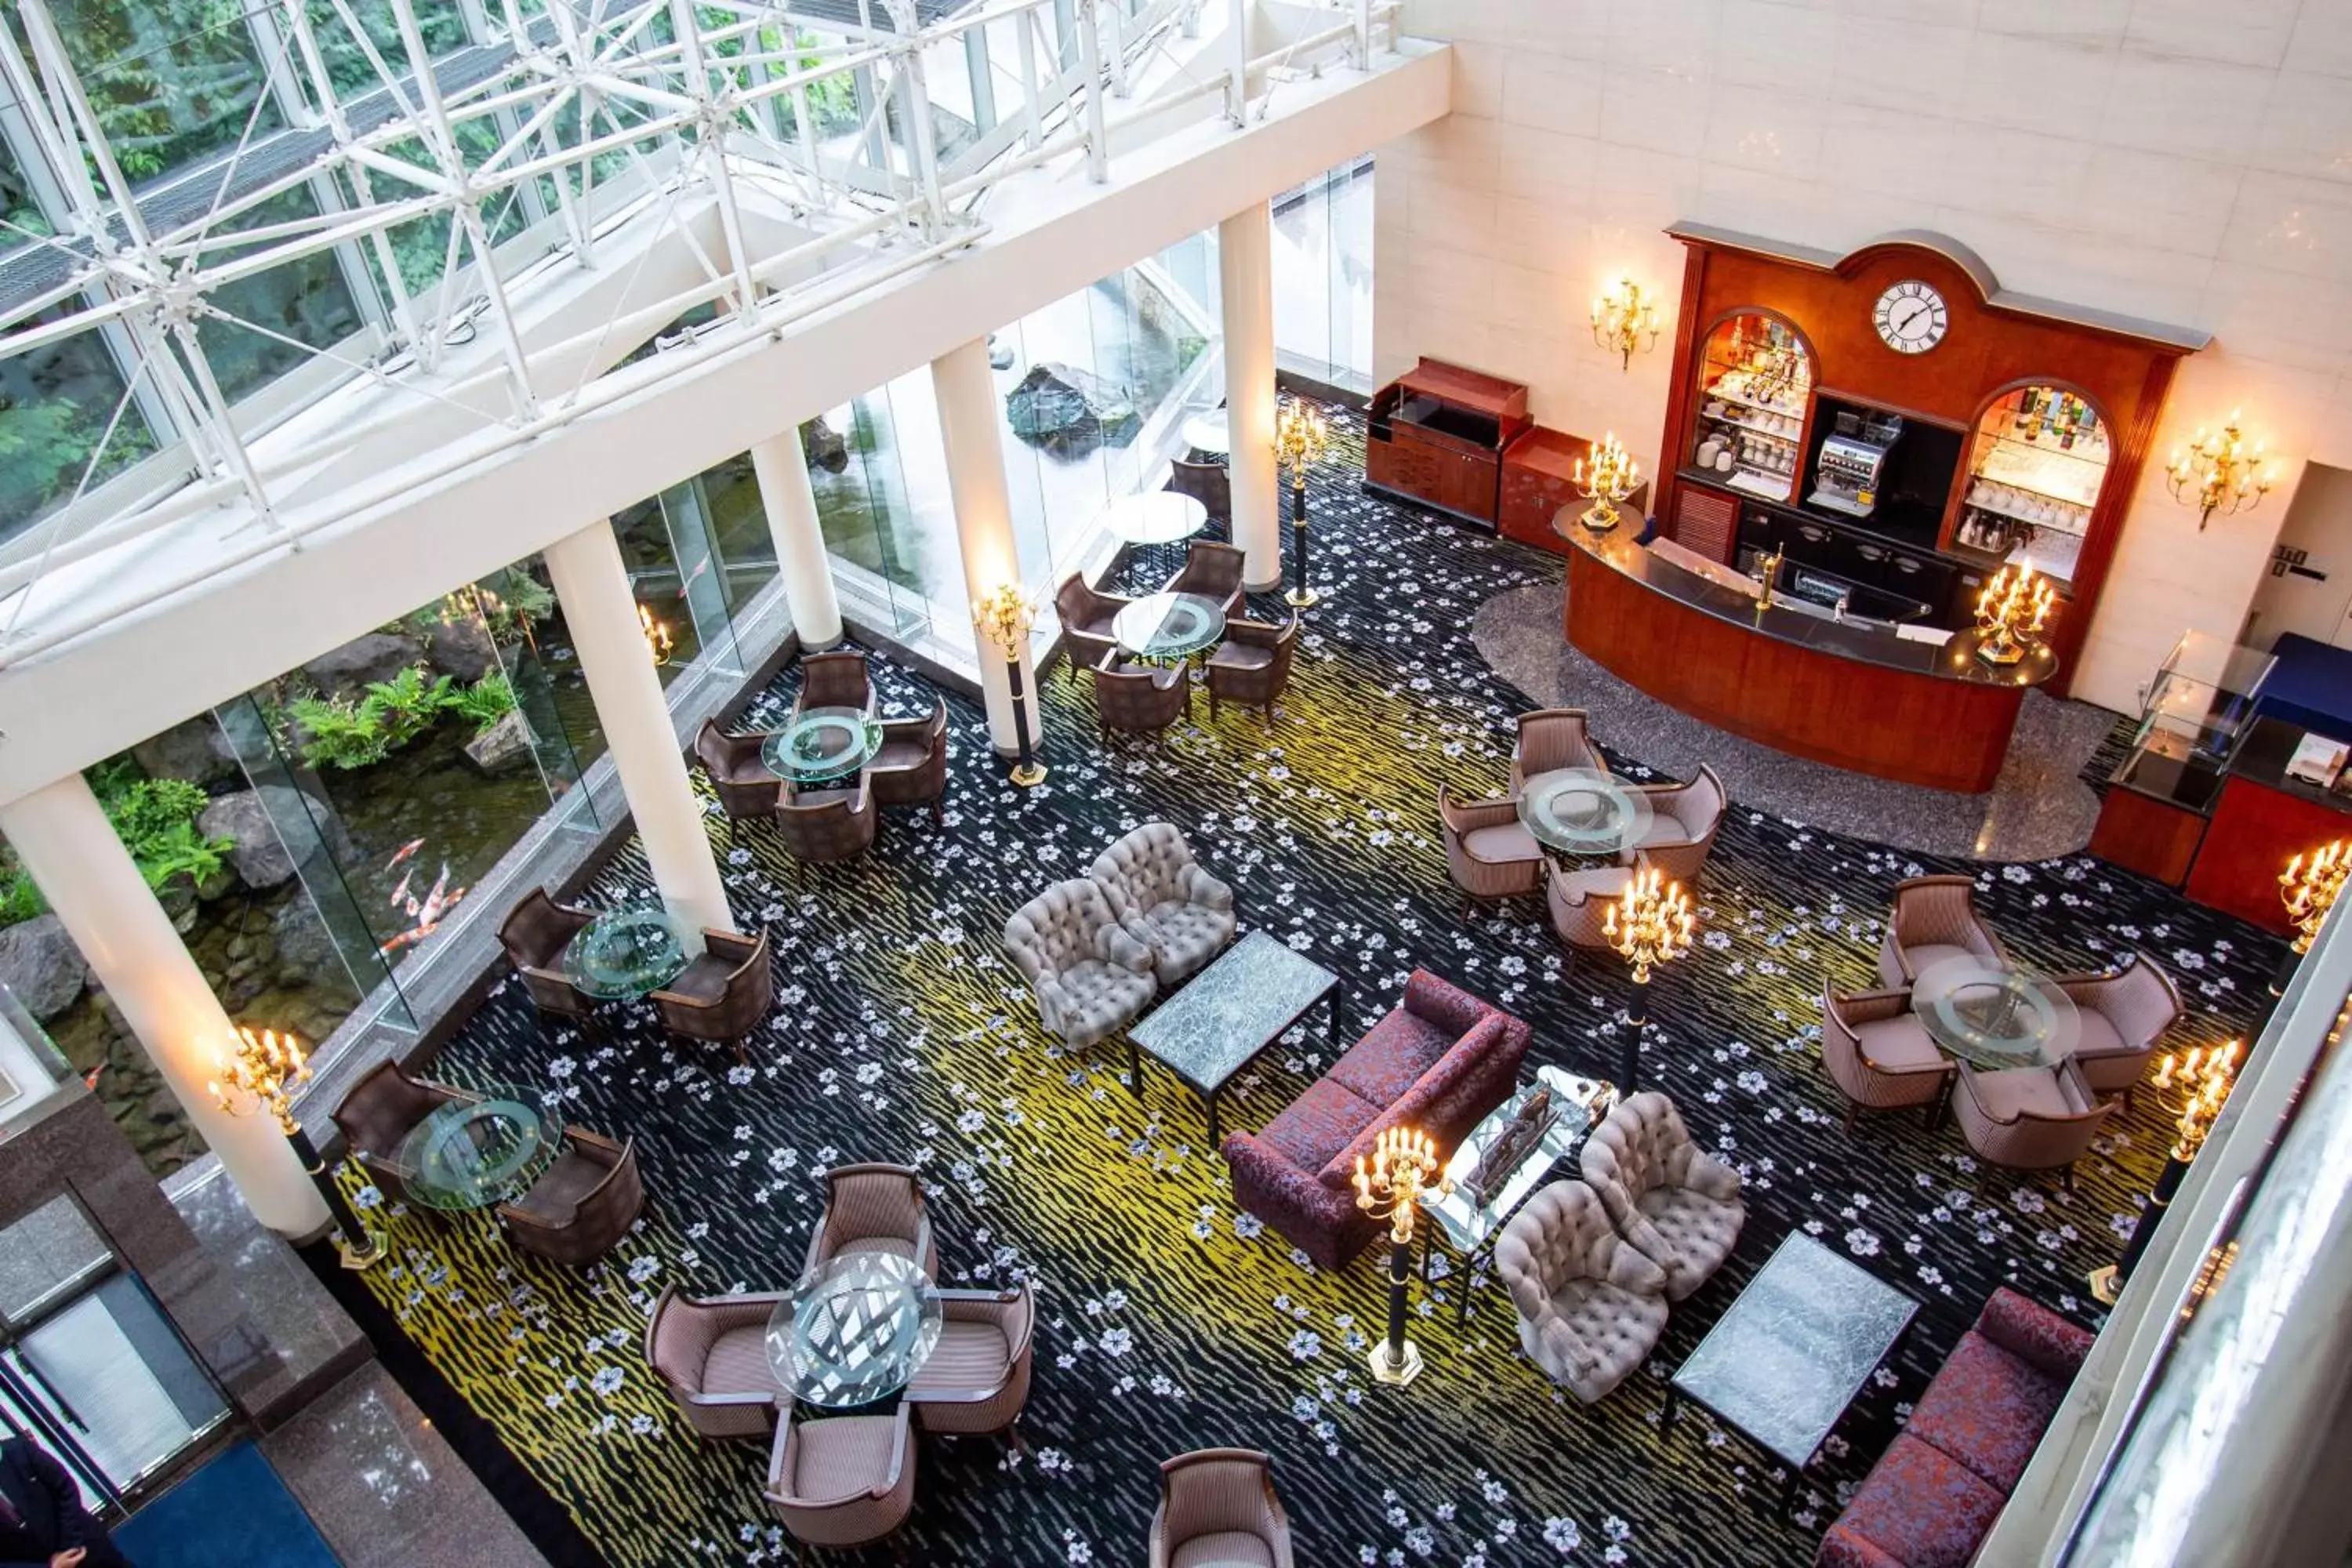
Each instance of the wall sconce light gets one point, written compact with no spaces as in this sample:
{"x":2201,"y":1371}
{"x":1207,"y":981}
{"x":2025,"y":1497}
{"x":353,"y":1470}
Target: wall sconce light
{"x":2218,"y":473}
{"x":1624,"y":320}
{"x":659,"y":642}
{"x":2011,"y":610}
{"x":1004,"y":618}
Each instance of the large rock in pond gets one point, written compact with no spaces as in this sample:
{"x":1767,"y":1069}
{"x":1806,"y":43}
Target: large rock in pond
{"x":250,"y":816}
{"x":379,"y":656}
{"x":1067,"y":409}
{"x":462,"y":648}
{"x":306,"y":953}
{"x":196,"y":750}
{"x":824,"y":447}
{"x":505,"y":746}
{"x":40,"y":963}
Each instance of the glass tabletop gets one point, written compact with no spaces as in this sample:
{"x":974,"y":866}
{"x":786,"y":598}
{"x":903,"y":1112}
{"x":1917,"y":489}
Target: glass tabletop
{"x":1471,"y":1217}
{"x":1155,"y":517}
{"x":1584,"y":811}
{"x":853,"y":1330}
{"x":1169,"y":626}
{"x":630,"y":952}
{"x":1787,"y":1358}
{"x":1210,"y":432}
{"x":475,"y":1152}
{"x":1224,"y":1016}
{"x":821,"y":744}
{"x":1994,"y":1017}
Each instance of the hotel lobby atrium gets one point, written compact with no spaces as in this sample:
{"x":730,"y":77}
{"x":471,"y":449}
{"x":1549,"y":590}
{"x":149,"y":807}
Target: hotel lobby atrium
{"x":1195,"y":782}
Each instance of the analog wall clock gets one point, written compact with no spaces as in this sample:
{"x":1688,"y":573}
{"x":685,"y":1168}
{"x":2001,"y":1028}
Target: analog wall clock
{"x":1910,"y":317}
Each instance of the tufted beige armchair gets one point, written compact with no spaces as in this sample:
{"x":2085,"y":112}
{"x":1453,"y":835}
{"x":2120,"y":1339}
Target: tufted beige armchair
{"x":1164,"y":900}
{"x":1090,"y":976}
{"x":1677,"y":1203}
{"x":1590,"y":1307}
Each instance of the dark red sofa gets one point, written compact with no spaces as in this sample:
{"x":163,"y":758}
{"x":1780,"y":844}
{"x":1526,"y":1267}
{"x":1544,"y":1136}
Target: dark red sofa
{"x":1438,"y":1062}
{"x":1935,"y":1493}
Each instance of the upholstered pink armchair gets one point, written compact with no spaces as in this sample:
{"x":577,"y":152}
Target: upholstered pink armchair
{"x":1488,"y":853}
{"x":1934,"y":919}
{"x":845,"y":1480}
{"x":1550,"y":738}
{"x":1682,"y":824}
{"x":1590,"y":1307}
{"x":977,"y":1379}
{"x":1879,"y":1055}
{"x":2029,"y":1118}
{"x":1578,"y":902}
{"x":2121,"y":1016}
{"x":1677,"y":1203}
{"x":873,"y":1208}
{"x":711,"y":1353}
{"x":1217,"y":1507}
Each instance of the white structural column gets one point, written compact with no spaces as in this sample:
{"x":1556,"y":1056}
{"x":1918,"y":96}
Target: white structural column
{"x":1245,"y":273}
{"x":966,"y":391}
{"x":782,"y":468}
{"x":61,"y":834}
{"x":601,"y":614}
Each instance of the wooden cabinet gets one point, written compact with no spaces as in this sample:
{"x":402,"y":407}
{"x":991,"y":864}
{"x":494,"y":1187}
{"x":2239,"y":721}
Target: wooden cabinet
{"x":1706,"y":521}
{"x":1437,"y":435}
{"x":2255,"y":832}
{"x":2154,"y":837}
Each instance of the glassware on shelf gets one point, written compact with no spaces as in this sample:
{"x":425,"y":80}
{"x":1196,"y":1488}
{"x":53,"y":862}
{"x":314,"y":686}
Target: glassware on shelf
{"x":2040,"y":460}
{"x":1754,"y":380}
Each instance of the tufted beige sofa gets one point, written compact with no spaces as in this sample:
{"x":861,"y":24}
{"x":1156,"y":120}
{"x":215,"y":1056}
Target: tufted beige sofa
{"x":1590,"y":1307}
{"x":1090,"y":976}
{"x":1678,"y":1205}
{"x":1164,"y":900}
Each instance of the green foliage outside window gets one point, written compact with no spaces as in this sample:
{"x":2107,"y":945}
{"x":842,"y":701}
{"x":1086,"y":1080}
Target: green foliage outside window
{"x":156,"y":819}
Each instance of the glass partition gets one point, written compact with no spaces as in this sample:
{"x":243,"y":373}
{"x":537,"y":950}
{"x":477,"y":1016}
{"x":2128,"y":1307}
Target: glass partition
{"x":1323,"y":277}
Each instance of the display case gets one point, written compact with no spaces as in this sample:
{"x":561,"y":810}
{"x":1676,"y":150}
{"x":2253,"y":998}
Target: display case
{"x":1754,"y":380}
{"x":2196,"y":712}
{"x":2036,"y":471}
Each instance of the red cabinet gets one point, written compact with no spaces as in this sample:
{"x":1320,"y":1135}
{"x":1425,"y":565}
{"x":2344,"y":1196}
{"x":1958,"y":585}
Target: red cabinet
{"x":1539,"y":478}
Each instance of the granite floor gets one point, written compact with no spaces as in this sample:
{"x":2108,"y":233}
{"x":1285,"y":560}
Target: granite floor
{"x":2039,"y":808}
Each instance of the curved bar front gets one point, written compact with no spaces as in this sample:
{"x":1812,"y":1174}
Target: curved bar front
{"x":1854,"y":696}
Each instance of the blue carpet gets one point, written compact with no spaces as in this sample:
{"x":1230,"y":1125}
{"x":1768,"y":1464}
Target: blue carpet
{"x":233,"y":1513}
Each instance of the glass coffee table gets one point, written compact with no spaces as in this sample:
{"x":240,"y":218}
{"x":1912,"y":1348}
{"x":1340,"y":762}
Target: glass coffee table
{"x":818,"y":745}
{"x":480,"y":1150}
{"x":1472,"y":1219}
{"x":1784,"y":1361}
{"x":1169,"y":626}
{"x":1584,"y":812}
{"x":855,"y":1329}
{"x":1995,"y":1016}
{"x":1225,"y":1018}
{"x":628,"y":952}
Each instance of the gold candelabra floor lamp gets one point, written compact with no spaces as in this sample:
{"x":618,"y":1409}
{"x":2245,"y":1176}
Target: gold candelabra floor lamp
{"x":2207,"y":1076}
{"x":1650,"y":924}
{"x":256,"y":1078}
{"x":1004,"y":618}
{"x":1403,"y":1165}
{"x":1301,"y":437}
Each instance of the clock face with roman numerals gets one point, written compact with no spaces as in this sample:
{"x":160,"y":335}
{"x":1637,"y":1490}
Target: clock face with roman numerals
{"x":1910,"y":317}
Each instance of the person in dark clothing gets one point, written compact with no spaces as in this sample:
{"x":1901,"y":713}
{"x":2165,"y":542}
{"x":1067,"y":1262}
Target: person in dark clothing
{"x":42,"y":1521}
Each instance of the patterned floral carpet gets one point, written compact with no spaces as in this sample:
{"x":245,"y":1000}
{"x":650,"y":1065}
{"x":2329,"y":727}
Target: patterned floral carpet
{"x":1171,"y":1321}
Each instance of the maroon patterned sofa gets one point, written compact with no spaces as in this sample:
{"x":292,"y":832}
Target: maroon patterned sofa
{"x":1439,"y":1061}
{"x":1935,"y":1493}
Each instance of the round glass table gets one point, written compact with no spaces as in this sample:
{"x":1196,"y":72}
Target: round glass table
{"x":1993,"y":1016}
{"x":1211,"y":433}
{"x":475,"y":1152}
{"x":822,"y":743}
{"x":1169,"y":626}
{"x":627,"y":953}
{"x":854,"y":1330}
{"x":1584,"y":811}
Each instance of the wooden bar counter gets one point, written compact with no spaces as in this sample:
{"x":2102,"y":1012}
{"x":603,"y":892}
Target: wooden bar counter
{"x":1854,"y":695}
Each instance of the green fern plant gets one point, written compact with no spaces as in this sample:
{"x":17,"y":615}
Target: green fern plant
{"x":405,"y":706}
{"x":337,"y":733}
{"x":484,"y":703}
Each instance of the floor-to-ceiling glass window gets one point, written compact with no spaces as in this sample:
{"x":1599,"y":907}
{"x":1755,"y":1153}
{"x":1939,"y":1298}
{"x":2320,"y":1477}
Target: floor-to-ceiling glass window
{"x":68,"y":422}
{"x":1323,"y":277}
{"x":171,"y":81}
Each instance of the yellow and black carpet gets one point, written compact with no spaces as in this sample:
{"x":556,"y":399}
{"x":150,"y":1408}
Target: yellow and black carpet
{"x":1172,"y":1321}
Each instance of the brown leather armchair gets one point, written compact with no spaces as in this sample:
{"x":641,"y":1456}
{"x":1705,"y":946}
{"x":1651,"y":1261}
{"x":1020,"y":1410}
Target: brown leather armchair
{"x":834,"y":679}
{"x":874,"y":1207}
{"x":1086,"y":617}
{"x":744,"y":785}
{"x":1211,"y":570}
{"x":846,"y":1480}
{"x":1252,"y":664}
{"x":829,"y":825}
{"x":380,"y":1112}
{"x":712,"y":1353}
{"x":722,"y":995}
{"x":977,"y":1380}
{"x":2029,"y":1118}
{"x":1685,"y":817}
{"x":535,"y":934}
{"x":580,"y":1205}
{"x":1550,"y":738}
{"x":1934,"y":920}
{"x":1218,"y":1505}
{"x":1211,"y":484}
{"x":1139,"y":697}
{"x":911,"y":768}
{"x":1578,"y":902}
{"x":2121,"y":1016}
{"x":1487,"y":852}
{"x":1879,"y":1055}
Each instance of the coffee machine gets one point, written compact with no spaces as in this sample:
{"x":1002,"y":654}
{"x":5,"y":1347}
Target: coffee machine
{"x":1853,"y":461}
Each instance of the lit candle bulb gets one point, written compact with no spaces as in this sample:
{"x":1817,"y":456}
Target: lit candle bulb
{"x":2164,"y":1072}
